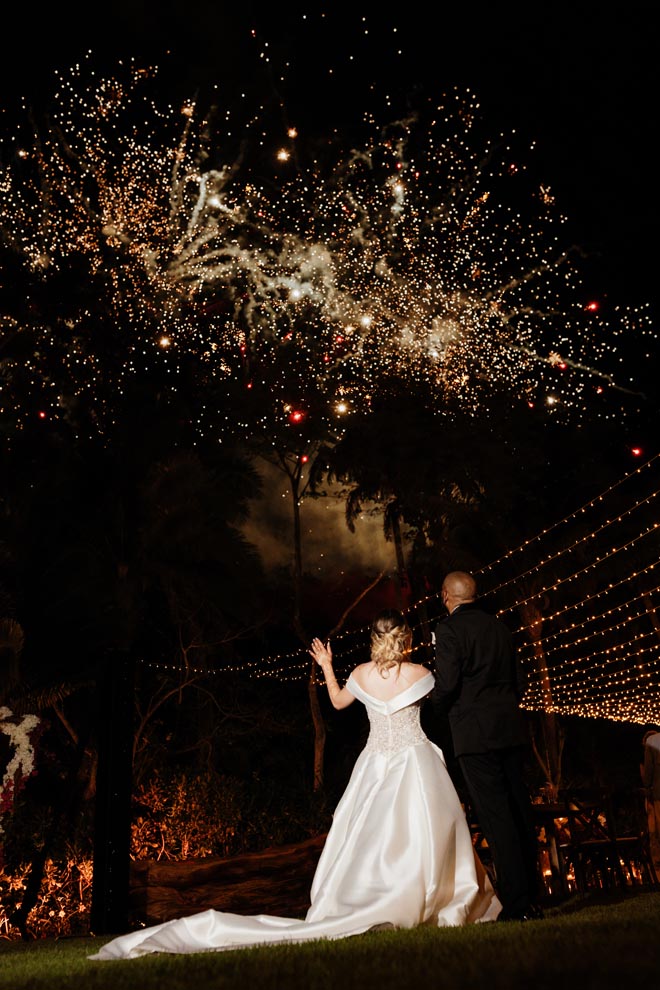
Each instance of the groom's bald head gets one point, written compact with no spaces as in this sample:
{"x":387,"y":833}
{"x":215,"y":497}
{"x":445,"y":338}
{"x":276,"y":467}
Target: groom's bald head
{"x":458,"y":587}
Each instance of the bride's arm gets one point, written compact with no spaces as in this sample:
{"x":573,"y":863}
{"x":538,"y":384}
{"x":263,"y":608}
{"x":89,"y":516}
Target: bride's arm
{"x":339,"y":697}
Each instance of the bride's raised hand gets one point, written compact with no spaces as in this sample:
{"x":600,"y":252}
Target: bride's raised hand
{"x":321,"y":652}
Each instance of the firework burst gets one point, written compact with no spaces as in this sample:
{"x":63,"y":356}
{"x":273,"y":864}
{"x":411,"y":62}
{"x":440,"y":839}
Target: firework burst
{"x":423,"y":251}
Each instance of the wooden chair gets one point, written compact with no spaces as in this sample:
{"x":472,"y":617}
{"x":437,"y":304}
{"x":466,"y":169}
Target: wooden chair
{"x":589,"y":847}
{"x":556,"y":875}
{"x":607,"y":843}
{"x":629,"y":824}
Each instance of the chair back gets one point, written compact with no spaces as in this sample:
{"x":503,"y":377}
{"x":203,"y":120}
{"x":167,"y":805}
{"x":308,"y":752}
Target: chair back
{"x":608,"y":840}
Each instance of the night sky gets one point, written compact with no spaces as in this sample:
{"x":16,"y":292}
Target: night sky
{"x":580,"y":79}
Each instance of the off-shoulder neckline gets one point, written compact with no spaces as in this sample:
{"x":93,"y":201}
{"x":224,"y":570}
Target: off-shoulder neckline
{"x":395,"y":697}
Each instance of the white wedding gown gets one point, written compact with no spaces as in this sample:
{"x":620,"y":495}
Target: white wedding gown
{"x":398,"y":854}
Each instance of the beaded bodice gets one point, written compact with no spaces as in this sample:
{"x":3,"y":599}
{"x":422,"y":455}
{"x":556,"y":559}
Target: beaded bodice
{"x":394,"y":724}
{"x":392,"y":733}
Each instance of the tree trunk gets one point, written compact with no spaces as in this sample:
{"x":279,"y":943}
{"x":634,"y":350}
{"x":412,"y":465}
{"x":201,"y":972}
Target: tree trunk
{"x":318,"y":722}
{"x":403,"y":584}
{"x":112,"y":818}
{"x":319,"y":729}
{"x":549,"y":756}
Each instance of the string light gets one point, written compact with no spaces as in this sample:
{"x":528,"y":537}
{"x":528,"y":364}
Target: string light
{"x":312,"y":279}
{"x":564,"y":675}
{"x":588,"y":674}
{"x":571,"y":627}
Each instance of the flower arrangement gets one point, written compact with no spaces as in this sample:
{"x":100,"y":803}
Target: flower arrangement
{"x":21,"y":766}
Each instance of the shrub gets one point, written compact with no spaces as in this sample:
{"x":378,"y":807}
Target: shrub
{"x":186,"y":816}
{"x":63,"y":901}
{"x":179,"y":815}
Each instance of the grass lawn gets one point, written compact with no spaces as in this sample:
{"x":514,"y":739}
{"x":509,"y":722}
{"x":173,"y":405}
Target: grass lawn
{"x":591,"y":942}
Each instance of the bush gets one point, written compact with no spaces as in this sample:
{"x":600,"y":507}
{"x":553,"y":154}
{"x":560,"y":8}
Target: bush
{"x":177,"y":816}
{"x":186,"y":816}
{"x":63,"y":902}
{"x":189,"y":815}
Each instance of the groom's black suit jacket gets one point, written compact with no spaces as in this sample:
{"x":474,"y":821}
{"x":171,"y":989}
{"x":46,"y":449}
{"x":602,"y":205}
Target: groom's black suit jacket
{"x":478,"y":682}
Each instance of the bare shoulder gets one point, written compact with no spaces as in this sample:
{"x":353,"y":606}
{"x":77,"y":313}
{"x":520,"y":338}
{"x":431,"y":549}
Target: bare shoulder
{"x":359,"y":672}
{"x":414,"y":672}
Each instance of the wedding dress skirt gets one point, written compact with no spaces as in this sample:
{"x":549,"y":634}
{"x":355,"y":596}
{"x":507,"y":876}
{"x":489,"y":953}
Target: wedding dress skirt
{"x":398,"y":854}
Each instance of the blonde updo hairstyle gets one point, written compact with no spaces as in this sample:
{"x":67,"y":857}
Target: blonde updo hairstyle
{"x":391,"y":640}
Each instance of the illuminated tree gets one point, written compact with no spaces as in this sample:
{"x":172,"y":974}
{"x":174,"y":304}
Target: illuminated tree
{"x":274,"y":296}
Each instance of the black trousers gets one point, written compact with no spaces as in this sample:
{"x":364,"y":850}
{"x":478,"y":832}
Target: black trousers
{"x":503,"y":808}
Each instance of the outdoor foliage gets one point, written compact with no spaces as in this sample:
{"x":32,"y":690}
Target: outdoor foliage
{"x":63,"y":900}
{"x":184,"y":816}
{"x":177,"y":305}
{"x":177,"y":817}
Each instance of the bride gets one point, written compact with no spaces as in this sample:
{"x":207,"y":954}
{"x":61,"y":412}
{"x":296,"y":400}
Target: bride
{"x":399,"y":851}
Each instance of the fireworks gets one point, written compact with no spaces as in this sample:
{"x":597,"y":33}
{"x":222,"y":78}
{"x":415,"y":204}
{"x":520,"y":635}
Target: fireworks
{"x":425,"y":252}
{"x":277,"y":282}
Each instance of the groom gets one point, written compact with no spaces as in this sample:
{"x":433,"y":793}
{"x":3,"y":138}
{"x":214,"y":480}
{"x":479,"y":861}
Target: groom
{"x":478,"y":686}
